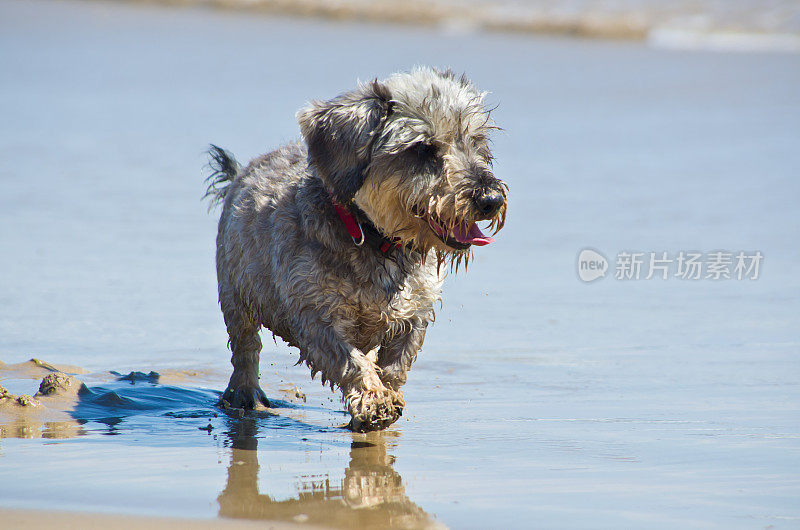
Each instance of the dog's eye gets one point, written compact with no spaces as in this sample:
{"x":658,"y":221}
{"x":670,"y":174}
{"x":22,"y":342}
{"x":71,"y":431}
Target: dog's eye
{"x":424,"y":150}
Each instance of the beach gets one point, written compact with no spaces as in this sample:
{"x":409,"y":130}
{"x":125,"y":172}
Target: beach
{"x":539,"y":400}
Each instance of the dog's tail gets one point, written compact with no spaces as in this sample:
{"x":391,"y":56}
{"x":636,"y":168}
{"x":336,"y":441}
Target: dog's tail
{"x":224,"y":168}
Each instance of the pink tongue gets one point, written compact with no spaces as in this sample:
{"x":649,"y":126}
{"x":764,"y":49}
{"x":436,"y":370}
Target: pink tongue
{"x":471,"y":235}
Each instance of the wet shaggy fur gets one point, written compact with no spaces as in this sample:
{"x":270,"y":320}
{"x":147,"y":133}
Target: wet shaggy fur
{"x":408,"y":157}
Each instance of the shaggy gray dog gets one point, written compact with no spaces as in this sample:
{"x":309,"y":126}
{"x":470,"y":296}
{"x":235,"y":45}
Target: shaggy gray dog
{"x":339,"y":244}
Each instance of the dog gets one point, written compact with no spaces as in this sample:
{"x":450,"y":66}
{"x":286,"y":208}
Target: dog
{"x":339,"y":243}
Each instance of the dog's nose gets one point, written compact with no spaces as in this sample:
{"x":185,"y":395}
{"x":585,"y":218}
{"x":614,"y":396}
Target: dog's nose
{"x":489,"y":203}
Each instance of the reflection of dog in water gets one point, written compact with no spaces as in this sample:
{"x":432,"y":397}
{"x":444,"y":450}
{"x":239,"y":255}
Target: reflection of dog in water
{"x":338,"y":244}
{"x":371,"y":495}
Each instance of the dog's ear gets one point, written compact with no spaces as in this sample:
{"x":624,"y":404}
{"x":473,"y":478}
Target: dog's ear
{"x":339,"y":134}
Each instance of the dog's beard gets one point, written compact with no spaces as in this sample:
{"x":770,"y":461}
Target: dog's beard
{"x":458,"y":235}
{"x":445,"y":224}
{"x":451,"y":218}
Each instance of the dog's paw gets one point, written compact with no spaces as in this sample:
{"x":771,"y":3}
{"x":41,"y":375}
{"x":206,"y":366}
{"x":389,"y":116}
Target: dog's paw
{"x":374,"y":410}
{"x":243,"y":397}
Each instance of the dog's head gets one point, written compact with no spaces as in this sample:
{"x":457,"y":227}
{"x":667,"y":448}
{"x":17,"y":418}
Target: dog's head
{"x":413,"y":153}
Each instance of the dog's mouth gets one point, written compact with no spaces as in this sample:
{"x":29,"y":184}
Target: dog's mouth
{"x":460,"y":236}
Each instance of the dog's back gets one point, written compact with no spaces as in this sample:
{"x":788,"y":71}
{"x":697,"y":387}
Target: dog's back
{"x":258,"y":229}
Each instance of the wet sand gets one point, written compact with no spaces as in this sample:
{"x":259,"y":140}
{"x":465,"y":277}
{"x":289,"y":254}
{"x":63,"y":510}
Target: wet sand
{"x":694,"y":24}
{"x":537,"y":400}
{"x":82,"y":521}
{"x":369,"y":495}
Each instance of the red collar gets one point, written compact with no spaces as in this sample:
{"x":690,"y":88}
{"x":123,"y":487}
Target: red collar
{"x":353,"y":227}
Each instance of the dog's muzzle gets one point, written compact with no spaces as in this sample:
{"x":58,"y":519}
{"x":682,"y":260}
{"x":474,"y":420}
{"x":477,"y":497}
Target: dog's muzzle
{"x":460,"y":236}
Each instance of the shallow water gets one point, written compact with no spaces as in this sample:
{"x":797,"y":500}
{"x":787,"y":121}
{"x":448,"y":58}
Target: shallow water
{"x":537,"y":401}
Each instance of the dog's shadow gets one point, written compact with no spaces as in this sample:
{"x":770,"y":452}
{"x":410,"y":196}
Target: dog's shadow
{"x":371,"y":494}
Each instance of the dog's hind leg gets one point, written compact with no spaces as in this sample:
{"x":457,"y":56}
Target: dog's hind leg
{"x":244,"y":391}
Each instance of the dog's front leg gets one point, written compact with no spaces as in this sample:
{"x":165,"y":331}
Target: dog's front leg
{"x":398,"y":353}
{"x":371,"y":404}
